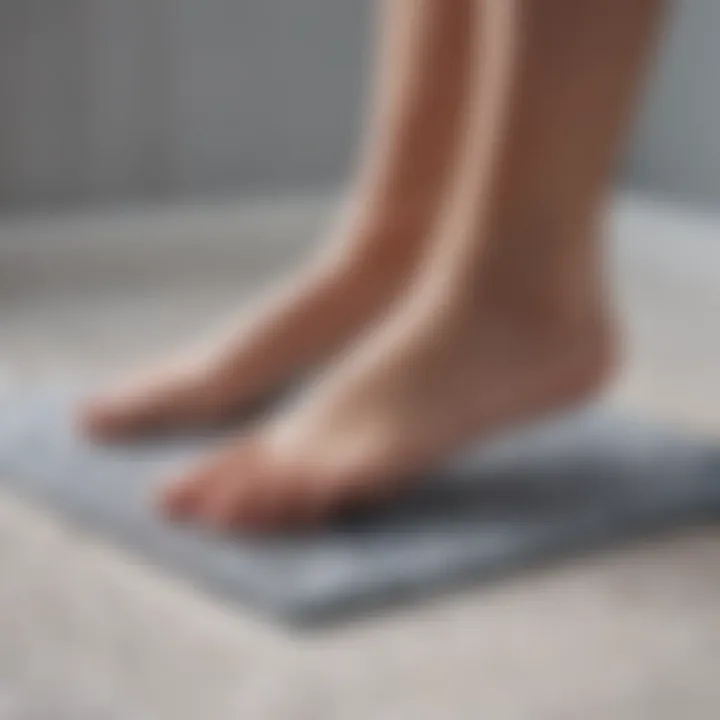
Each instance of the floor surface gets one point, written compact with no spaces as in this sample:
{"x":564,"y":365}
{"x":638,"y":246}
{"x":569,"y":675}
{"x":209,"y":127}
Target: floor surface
{"x":88,"y":634}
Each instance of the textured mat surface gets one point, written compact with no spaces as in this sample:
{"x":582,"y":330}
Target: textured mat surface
{"x":561,"y":487}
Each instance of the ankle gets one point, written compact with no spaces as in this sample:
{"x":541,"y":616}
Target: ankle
{"x":547,"y":273}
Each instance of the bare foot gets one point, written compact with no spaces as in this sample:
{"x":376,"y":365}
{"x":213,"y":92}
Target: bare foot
{"x":406,"y":159}
{"x":298,"y":324}
{"x":427,"y":382}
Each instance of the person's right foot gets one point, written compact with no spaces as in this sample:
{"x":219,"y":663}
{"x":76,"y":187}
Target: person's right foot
{"x":300,"y":324}
{"x":436,"y":374}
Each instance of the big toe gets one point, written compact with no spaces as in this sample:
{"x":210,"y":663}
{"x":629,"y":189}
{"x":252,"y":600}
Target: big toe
{"x":223,"y":490}
{"x":117,"y":415}
{"x":243,"y":487}
{"x":154,"y":403}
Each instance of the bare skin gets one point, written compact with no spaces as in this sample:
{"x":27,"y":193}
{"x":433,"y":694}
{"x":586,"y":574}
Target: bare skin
{"x":505,"y":319}
{"x":405,"y":163}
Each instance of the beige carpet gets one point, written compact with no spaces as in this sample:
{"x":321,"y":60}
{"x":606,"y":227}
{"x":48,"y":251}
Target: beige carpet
{"x":87,"y":634}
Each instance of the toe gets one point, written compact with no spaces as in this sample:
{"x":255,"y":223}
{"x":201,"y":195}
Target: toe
{"x":151,"y":402}
{"x":97,"y":418}
{"x":226,"y":491}
{"x":181,"y":498}
{"x":234,"y":498}
{"x":251,"y":493}
{"x":244,"y":488}
{"x":225,"y":503}
{"x":116,"y":415}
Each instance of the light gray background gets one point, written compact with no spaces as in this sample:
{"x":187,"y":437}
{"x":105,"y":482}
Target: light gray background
{"x":111,"y":100}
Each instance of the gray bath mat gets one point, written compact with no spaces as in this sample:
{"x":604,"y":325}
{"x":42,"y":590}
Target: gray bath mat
{"x":564,"y":486}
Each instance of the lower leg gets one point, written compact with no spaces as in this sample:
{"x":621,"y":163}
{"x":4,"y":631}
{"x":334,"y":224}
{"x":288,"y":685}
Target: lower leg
{"x":547,"y":121}
{"x":419,"y":88}
{"x":507,"y":318}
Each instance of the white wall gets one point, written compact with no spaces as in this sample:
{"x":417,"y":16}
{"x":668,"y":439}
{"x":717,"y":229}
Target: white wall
{"x":676,"y":148}
{"x":115,"y":99}
{"x":105,"y":100}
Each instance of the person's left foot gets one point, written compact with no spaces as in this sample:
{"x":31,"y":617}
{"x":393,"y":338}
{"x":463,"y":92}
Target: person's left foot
{"x":298,"y":325}
{"x":427,"y":382}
